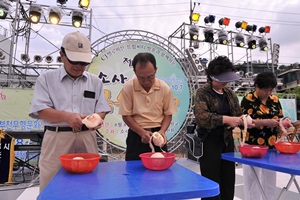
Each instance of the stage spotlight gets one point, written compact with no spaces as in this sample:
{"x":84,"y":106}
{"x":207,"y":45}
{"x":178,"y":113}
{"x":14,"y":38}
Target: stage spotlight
{"x":209,"y":19}
{"x":194,"y":32}
{"x":275,"y":53}
{"x":55,"y":14}
{"x":223,"y":37}
{"x":35,"y":13}
{"x":248,"y":74}
{"x":242,"y":25}
{"x":251,"y":43}
{"x":61,"y":1}
{"x":25,"y":57}
{"x":3,"y":13}
{"x":263,"y":45}
{"x":224,"y":21}
{"x":77,"y":17}
{"x":84,"y":3}
{"x":265,"y":29}
{"x":38,"y":58}
{"x":239,"y":40}
{"x":194,"y":59}
{"x":209,"y":35}
{"x":251,"y":28}
{"x":58,"y":59}
{"x":4,"y":9}
{"x":48,"y":59}
{"x":195,"y":17}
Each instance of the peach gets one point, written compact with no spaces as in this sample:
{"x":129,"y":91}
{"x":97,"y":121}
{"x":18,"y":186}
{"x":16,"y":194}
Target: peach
{"x":78,"y":158}
{"x":93,"y":120}
{"x":157,"y":155}
{"x":158,"y":139}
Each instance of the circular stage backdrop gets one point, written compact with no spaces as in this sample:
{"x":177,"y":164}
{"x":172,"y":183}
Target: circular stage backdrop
{"x":112,"y":65}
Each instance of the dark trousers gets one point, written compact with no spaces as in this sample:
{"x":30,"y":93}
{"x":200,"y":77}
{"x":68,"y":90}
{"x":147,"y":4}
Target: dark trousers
{"x":134,"y":146}
{"x":217,"y":169}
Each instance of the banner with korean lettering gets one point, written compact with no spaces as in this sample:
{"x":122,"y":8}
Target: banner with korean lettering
{"x":14,"y":110}
{"x":7,"y":158}
{"x":113,"y":66}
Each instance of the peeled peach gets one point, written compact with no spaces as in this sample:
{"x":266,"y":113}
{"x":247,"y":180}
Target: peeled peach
{"x":249,"y":120}
{"x":92,"y":120}
{"x":158,"y":139}
{"x":286,"y":123}
{"x":157,"y":155}
{"x":78,"y":158}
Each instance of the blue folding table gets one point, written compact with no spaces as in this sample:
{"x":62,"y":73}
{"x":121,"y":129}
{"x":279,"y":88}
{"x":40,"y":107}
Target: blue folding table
{"x":129,"y":180}
{"x":273,"y":160}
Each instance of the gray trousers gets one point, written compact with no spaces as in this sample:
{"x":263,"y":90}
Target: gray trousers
{"x":58,"y":143}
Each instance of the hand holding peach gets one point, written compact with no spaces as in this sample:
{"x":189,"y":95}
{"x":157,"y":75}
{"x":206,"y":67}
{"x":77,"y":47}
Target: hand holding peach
{"x":92,"y":121}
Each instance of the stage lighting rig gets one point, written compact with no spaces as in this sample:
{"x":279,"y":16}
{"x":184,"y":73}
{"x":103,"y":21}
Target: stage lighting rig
{"x":38,"y":58}
{"x":194,"y":32}
{"x":61,"y":2}
{"x":48,"y":59}
{"x":84,"y":4}
{"x":263,"y":45}
{"x":77,"y":18}
{"x":58,"y":59}
{"x":25,"y":57}
{"x":4,"y":9}
{"x":239,"y":40}
{"x":242,"y":25}
{"x":224,"y":21}
{"x":265,"y":29}
{"x":210,"y":19}
{"x":251,"y":28}
{"x":209,"y":35}
{"x":55,"y":14}
{"x":195,"y":17}
{"x":223,"y":37}
{"x":275,"y":53}
{"x":194,"y":59}
{"x":251,"y":42}
{"x":35,"y":13}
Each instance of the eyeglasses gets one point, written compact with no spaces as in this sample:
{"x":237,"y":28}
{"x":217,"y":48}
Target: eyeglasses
{"x":76,"y":62}
{"x":148,"y":78}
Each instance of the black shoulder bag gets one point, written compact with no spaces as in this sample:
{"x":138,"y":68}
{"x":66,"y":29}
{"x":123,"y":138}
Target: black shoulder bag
{"x":195,"y":144}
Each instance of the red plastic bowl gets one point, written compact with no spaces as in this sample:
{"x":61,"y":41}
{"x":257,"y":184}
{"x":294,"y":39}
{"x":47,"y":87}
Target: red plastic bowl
{"x":82,"y":166}
{"x":288,"y":147}
{"x":158,"y":163}
{"x":253,"y":151}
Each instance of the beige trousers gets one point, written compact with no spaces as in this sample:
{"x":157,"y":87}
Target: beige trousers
{"x":58,"y":143}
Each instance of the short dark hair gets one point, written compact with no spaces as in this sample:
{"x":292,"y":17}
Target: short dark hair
{"x":218,"y":66}
{"x":265,"y":80}
{"x":143,"y":59}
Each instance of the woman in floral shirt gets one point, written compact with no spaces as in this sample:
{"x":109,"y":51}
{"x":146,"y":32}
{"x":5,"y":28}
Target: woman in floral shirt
{"x":265,"y":109}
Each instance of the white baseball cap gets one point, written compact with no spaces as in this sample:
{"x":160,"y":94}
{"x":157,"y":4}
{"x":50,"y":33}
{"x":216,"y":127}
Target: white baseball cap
{"x":77,"y":47}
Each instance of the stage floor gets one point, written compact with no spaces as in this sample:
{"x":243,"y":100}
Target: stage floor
{"x":29,"y":191}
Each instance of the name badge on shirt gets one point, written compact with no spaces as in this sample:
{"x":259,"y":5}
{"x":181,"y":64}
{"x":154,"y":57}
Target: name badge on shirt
{"x":89,"y":94}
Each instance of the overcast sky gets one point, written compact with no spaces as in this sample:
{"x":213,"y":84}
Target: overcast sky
{"x":164,"y":17}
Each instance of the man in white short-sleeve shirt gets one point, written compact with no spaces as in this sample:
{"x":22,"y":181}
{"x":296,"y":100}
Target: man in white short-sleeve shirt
{"x":62,"y":98}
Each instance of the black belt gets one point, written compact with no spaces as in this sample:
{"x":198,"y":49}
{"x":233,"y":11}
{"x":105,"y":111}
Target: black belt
{"x":152,"y":129}
{"x":65,"y":129}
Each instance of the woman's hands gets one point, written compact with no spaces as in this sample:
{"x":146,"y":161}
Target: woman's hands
{"x":232,"y":121}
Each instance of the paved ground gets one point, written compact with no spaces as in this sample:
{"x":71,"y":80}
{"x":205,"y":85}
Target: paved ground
{"x":29,"y":189}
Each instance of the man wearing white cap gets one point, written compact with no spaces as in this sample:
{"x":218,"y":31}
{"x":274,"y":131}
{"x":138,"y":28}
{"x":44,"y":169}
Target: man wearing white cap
{"x":62,"y":99}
